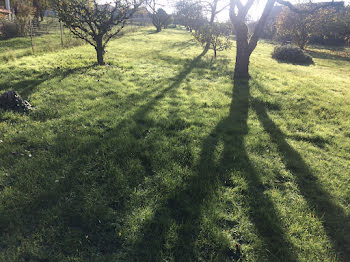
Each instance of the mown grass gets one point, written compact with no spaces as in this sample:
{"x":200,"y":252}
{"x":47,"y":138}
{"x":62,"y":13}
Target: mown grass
{"x":161,"y":156}
{"x":46,"y":38}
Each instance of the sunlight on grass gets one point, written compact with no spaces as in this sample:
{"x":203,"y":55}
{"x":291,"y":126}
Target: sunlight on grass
{"x":161,"y":156}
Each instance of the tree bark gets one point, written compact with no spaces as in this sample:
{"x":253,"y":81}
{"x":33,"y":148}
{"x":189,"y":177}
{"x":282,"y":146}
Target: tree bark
{"x":99,"y":50}
{"x":246,"y":46}
{"x":243,"y":52}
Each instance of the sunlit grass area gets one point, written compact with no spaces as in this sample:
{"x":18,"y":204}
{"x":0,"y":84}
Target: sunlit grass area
{"x":161,"y":156}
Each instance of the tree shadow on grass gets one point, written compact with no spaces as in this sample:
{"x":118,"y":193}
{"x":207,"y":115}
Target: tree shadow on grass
{"x":182,"y":45}
{"x":324,"y":55}
{"x":28,"y":86}
{"x":58,"y":202}
{"x":184,"y":208}
{"x":335,"y":221}
{"x":215,"y":67}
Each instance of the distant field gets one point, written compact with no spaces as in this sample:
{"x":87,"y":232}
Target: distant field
{"x":161,"y":156}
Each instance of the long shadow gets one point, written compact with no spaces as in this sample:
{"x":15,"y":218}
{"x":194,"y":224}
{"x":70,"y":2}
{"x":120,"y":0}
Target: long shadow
{"x":185,"y":207}
{"x":335,"y":222}
{"x":322,"y":55}
{"x":183,"y":44}
{"x":68,"y":193}
{"x":28,"y":86}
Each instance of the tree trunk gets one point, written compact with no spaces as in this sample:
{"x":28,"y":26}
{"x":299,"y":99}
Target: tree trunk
{"x":244,"y":46}
{"x":100,"y":51}
{"x":243,"y":52}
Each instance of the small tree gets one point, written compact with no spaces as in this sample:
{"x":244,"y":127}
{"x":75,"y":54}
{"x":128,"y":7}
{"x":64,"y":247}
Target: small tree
{"x":211,"y":8}
{"x":23,"y":10}
{"x":96,"y":24}
{"x":215,"y":37}
{"x":169,"y":21}
{"x":160,"y":19}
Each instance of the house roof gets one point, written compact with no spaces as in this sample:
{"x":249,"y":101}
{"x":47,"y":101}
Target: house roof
{"x":5,"y":11}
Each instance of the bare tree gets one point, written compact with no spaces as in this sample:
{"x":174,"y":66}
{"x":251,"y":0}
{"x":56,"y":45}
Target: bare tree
{"x":212,"y":8}
{"x":96,"y":24}
{"x":214,"y":36}
{"x":160,"y":18}
{"x":246,"y":44}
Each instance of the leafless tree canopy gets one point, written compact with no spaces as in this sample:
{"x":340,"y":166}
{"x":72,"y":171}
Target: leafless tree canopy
{"x":95,"y":23}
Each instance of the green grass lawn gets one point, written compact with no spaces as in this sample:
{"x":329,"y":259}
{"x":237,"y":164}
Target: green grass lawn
{"x":161,"y":156}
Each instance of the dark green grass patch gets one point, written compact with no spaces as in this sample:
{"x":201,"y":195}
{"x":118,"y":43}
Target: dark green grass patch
{"x":160,"y":156}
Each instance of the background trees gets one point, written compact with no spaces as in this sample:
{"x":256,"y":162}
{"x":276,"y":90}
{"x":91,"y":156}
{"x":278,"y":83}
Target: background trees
{"x":214,"y":36}
{"x":330,"y":26}
{"x":40,"y":6}
{"x":94,"y":23}
{"x":324,"y":26}
{"x":294,"y":27}
{"x":189,"y":13}
{"x":23,"y":10}
{"x":160,"y":19}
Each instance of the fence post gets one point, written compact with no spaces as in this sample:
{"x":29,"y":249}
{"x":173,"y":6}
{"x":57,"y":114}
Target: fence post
{"x":61,"y":29}
{"x":31,"y":33}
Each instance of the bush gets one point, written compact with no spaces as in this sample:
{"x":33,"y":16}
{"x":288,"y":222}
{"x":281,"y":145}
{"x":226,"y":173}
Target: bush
{"x":291,"y":54}
{"x":8,"y":29}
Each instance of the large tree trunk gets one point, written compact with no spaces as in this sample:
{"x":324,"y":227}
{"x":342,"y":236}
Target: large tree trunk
{"x":100,"y":51}
{"x":243,"y":52}
{"x":246,"y":46}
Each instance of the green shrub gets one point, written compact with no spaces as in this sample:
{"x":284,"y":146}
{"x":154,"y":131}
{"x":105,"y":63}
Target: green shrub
{"x":291,"y":54}
{"x":8,"y":29}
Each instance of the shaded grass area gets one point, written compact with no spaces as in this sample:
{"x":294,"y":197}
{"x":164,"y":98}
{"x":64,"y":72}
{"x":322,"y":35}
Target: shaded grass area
{"x":160,"y":156}
{"x":336,"y":53}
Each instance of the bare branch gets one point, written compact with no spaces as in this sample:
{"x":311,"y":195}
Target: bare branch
{"x":253,"y":41}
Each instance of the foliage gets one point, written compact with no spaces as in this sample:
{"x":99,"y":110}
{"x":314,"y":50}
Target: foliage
{"x":189,"y":13}
{"x":291,"y":54}
{"x":325,"y":26}
{"x":40,"y":6}
{"x":8,"y":29}
{"x":217,"y":35}
{"x":160,"y":156}
{"x":160,"y":19}
{"x":24,"y":11}
{"x":294,"y":26}
{"x":30,"y":9}
{"x":94,"y":23}
{"x":330,"y":26}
